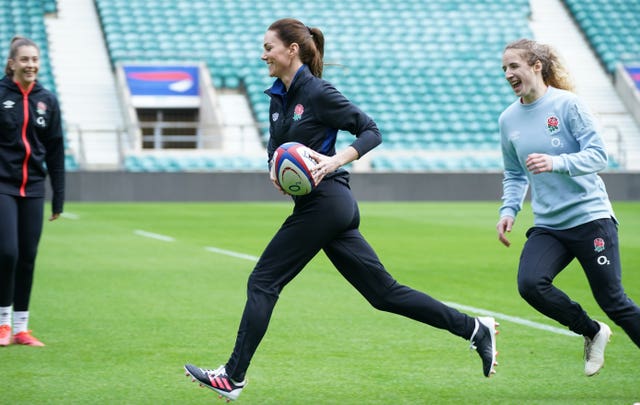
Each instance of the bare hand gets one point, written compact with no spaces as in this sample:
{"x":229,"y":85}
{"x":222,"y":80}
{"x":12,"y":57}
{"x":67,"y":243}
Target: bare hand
{"x":272,"y":176}
{"x":539,"y":163}
{"x":54,"y":216}
{"x":324,"y":165}
{"x":504,"y":225}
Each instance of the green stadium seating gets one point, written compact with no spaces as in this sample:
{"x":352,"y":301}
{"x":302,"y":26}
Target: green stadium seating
{"x":26,"y":18}
{"x":189,"y":163}
{"x":50,"y":6}
{"x":428,"y":163}
{"x":611,"y":27}
{"x":428,"y":71}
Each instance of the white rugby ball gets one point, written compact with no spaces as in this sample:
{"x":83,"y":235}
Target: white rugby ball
{"x":293,"y":165}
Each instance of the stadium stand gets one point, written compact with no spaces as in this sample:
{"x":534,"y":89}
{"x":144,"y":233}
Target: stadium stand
{"x":191,"y":163}
{"x":427,"y":71}
{"x":26,"y":18}
{"x":612,"y":28}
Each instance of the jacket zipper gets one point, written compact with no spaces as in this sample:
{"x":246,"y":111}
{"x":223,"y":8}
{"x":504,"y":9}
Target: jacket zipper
{"x":25,"y":140}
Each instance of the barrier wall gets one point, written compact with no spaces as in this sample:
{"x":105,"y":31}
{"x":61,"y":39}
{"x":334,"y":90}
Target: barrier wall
{"x":255,"y":186}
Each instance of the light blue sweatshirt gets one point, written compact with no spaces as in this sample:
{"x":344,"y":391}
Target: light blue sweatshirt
{"x":556,"y":124}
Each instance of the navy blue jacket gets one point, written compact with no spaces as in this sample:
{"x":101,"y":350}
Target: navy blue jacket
{"x":311,"y":112}
{"x":31,"y":142}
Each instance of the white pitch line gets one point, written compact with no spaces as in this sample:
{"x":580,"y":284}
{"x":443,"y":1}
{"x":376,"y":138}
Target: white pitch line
{"x":232,"y":254}
{"x":153,"y":235}
{"x":70,"y":215}
{"x":478,"y":311}
{"x":513,"y":319}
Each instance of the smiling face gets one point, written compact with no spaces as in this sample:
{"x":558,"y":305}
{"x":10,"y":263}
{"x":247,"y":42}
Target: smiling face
{"x":525,"y":80}
{"x":282,"y":60}
{"x":25,"y":65}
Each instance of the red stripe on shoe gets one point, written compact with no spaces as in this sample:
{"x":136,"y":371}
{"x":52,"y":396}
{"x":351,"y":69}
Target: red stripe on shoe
{"x":221,"y":383}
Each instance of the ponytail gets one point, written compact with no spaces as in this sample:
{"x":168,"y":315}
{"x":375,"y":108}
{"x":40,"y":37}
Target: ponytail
{"x":316,"y":62}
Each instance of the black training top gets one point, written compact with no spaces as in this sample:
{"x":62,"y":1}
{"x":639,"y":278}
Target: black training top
{"x":31,"y":142}
{"x":312,"y":112}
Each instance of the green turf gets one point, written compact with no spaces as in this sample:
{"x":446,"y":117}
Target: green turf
{"x":121,"y":313}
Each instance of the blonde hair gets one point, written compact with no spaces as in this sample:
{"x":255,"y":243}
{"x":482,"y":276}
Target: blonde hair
{"x":554,"y":73}
{"x":17,"y":42}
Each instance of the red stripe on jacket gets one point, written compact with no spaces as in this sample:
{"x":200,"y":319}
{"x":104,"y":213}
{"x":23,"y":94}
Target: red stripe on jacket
{"x":25,"y":140}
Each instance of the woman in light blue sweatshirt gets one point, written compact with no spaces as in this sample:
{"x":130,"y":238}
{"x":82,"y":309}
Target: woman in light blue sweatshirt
{"x":550,"y":143}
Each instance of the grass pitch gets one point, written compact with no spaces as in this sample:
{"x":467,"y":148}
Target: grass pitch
{"x":125,"y":294}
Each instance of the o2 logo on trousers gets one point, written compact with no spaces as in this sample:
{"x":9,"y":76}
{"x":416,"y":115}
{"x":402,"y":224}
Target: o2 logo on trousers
{"x":603,"y":260}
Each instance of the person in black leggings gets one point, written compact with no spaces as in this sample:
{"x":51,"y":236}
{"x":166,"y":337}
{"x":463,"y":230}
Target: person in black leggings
{"x":307,"y":109}
{"x":31,"y":146}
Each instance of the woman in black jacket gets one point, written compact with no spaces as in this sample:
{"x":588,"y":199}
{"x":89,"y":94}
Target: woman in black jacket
{"x":31,"y":145}
{"x":309,"y":110}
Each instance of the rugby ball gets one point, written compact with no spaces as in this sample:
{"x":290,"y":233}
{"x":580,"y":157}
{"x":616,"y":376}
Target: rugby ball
{"x":293,"y":164}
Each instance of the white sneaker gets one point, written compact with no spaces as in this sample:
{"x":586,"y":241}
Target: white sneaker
{"x":594,"y":350}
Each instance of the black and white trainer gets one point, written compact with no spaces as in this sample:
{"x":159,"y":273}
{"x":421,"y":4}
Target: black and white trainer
{"x":483,"y":340}
{"x":217,"y":380}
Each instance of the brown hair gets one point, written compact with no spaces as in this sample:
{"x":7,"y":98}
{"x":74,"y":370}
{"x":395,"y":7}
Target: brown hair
{"x":17,"y":42}
{"x":554,"y":73}
{"x":310,"y":41}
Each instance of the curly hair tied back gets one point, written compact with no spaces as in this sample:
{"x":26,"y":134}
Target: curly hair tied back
{"x":554,"y":73}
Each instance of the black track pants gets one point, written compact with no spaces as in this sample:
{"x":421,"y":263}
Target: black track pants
{"x":20,"y":230}
{"x":595,"y":244}
{"x":328,"y":220}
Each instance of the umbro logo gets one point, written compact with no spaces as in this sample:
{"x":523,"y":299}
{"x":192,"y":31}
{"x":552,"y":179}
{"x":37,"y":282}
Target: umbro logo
{"x":8,"y":104}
